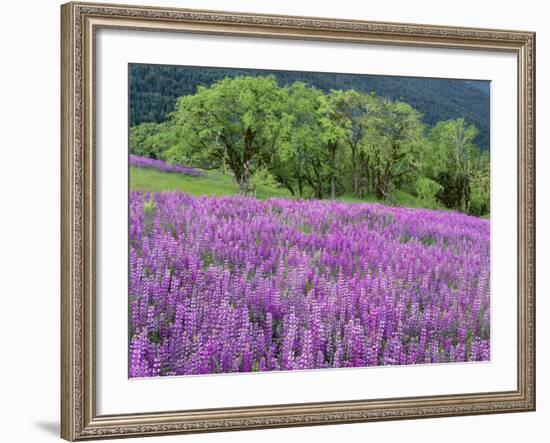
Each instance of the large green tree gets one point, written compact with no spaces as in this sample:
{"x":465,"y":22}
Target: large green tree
{"x":391,"y":145}
{"x":298,"y":162}
{"x":453,"y":161}
{"x":236,"y":122}
{"x":149,"y":139}
{"x":354,"y":110}
{"x":336,"y":131}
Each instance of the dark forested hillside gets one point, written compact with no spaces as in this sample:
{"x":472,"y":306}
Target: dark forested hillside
{"x":154,"y":89}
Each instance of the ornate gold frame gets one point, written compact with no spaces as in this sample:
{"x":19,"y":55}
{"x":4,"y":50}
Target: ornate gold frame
{"x":79,"y":21}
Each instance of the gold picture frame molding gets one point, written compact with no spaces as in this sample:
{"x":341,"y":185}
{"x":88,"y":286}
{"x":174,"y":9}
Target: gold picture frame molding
{"x":79,"y":22}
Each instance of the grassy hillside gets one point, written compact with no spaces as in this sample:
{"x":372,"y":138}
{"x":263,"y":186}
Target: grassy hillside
{"x":218,"y":184}
{"x":213,"y":183}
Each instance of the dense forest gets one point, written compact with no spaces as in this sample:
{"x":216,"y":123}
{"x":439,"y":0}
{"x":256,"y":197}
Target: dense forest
{"x":154,"y":90}
{"x":320,"y":144}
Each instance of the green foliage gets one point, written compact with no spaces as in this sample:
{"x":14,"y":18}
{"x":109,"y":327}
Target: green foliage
{"x":149,"y":207}
{"x":456,"y":163}
{"x":262,"y":178}
{"x":298,"y":163}
{"x":154,"y":90}
{"x":480,"y":187}
{"x":336,"y":125}
{"x":145,"y":139}
{"x":391,"y":147}
{"x":235,"y":122}
{"x":427,"y":190}
{"x":298,"y":140}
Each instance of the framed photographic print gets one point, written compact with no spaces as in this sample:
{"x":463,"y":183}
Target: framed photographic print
{"x":281,"y":221}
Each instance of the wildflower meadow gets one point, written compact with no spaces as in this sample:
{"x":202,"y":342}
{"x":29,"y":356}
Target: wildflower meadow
{"x":237,"y":284}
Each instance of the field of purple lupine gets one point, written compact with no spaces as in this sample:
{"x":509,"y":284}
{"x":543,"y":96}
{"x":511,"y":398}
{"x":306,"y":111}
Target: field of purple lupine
{"x":159,"y":165}
{"x":237,"y":284}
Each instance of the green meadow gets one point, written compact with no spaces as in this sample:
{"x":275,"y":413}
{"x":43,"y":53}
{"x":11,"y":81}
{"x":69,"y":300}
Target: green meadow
{"x":217,"y":183}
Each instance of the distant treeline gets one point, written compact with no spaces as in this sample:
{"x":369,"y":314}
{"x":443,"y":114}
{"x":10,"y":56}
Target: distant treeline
{"x":321,"y":144}
{"x":154,"y":90}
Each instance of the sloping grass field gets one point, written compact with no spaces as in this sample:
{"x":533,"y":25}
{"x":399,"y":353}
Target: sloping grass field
{"x":216,"y":183}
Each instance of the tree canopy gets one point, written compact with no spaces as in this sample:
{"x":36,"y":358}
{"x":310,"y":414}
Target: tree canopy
{"x":236,"y":122}
{"x":154,"y":90}
{"x":321,"y":144}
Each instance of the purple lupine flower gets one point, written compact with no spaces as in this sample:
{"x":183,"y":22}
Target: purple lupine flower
{"x":146,"y":162}
{"x":231,"y":284}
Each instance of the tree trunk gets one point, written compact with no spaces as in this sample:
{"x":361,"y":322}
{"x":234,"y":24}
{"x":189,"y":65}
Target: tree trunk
{"x":354,"y":172}
{"x":383,"y":186}
{"x":244,"y":181}
{"x":367,"y":177}
{"x":332,"y":147}
{"x":243,"y":188}
{"x":319,"y":187}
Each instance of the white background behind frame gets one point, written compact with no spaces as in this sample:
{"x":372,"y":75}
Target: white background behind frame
{"x":29,"y":375}
{"x":118,"y":394}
